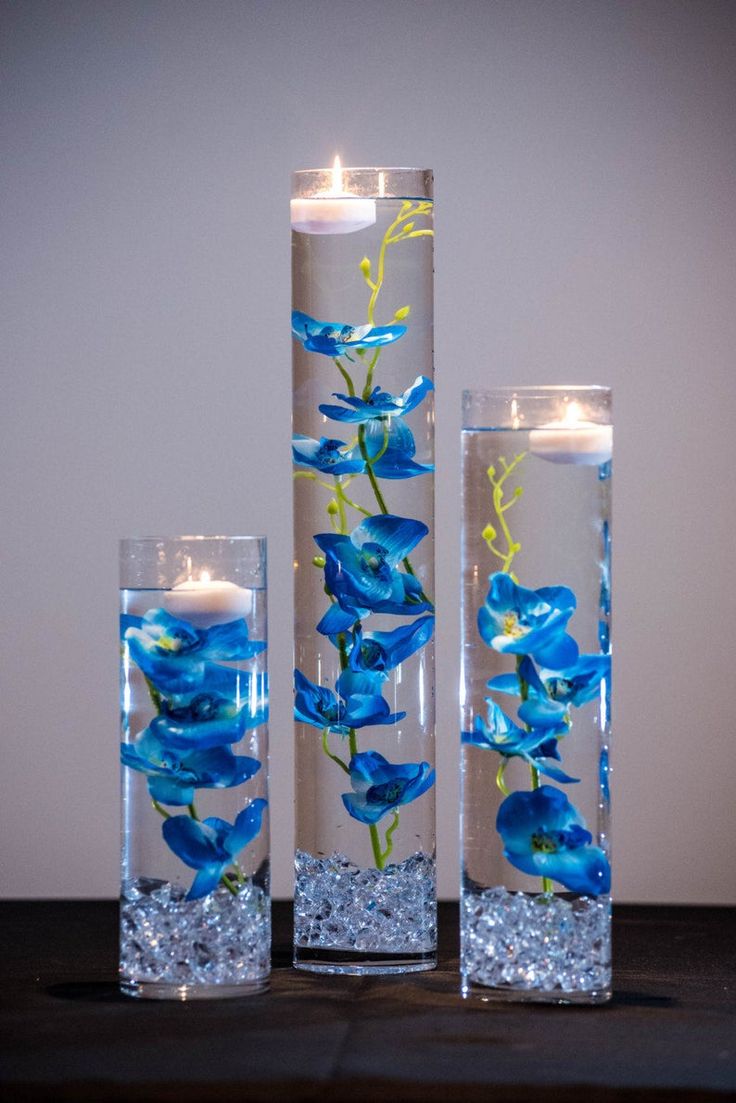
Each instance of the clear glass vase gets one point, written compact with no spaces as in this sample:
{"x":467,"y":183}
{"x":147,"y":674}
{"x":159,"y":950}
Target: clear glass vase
{"x":535,"y":694}
{"x":363,"y":420}
{"x":195,"y":915}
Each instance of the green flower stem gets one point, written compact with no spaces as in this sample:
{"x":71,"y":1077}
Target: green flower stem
{"x":193,"y":812}
{"x":160,"y":809}
{"x":376,"y":844}
{"x":328,"y":752}
{"x":390,"y":238}
{"x":225,"y":880}
{"x":153,"y":693}
{"x":500,"y":507}
{"x":389,"y":836}
{"x":369,"y":375}
{"x":499,"y":777}
{"x":346,"y":376}
{"x":547,"y":886}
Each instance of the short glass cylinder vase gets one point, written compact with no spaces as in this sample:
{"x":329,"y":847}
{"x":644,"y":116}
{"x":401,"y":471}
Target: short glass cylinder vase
{"x":363,"y":419}
{"x":195,"y":914}
{"x":535,"y":695}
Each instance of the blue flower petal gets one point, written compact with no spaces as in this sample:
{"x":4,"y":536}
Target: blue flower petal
{"x":332,"y":457}
{"x":379,"y":404}
{"x":246,"y":827}
{"x":194,"y":842}
{"x":206,"y":881}
{"x":169,"y":790}
{"x":335,"y":338}
{"x":337,"y":620}
{"x":392,"y":441}
{"x":382,"y":651}
{"x":540,"y":712}
{"x":380,"y":787}
{"x":398,"y":536}
{"x":317,"y":705}
{"x":545,"y":835}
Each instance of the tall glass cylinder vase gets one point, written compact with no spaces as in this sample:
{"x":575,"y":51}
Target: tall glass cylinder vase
{"x":363,"y":420}
{"x":535,"y":694}
{"x":195,"y":906}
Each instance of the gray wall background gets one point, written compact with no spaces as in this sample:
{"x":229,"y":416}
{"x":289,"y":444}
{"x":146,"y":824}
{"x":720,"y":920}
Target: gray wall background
{"x":584,"y":156}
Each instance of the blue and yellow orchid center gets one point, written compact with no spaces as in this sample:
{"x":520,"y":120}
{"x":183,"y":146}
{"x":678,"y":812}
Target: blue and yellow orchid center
{"x":511,"y":626}
{"x":546,"y":843}
{"x":389,"y":792}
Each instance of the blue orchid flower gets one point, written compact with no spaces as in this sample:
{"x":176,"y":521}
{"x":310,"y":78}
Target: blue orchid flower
{"x":579,"y":683}
{"x":211,"y":845}
{"x":383,"y":651}
{"x":392,"y":441}
{"x":380,"y":787}
{"x":174,"y":775}
{"x":552,"y":692}
{"x":501,"y":734}
{"x":361,"y":704}
{"x":331,"y":457}
{"x":529,"y":622}
{"x":360,"y":571}
{"x":176,"y":657}
{"x":545,"y":835}
{"x":334,"y":338}
{"x":379,"y":404}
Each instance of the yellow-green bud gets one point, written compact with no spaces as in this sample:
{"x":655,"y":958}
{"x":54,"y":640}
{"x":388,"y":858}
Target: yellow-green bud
{"x":401,"y":313}
{"x":365,"y":266}
{"x":489,"y":533}
{"x":319,"y":561}
{"x":332,"y":507}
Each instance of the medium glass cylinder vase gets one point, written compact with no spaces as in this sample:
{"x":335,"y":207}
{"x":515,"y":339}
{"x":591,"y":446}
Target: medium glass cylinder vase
{"x":535,"y":694}
{"x":363,"y":421}
{"x":195,"y":906}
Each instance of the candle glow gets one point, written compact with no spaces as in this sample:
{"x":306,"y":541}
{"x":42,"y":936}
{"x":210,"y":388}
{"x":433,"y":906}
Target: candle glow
{"x":572,"y":439}
{"x":335,"y":211}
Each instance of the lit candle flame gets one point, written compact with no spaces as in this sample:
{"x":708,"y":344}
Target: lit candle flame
{"x":205,"y":576}
{"x":572,"y":414}
{"x":337,"y":185}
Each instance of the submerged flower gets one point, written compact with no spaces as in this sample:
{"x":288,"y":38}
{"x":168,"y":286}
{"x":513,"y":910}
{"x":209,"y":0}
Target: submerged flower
{"x":361,"y":571}
{"x":176,"y":656}
{"x":529,"y":622}
{"x":380,"y":787}
{"x":174,"y":775}
{"x":501,"y":734}
{"x":379,"y":403}
{"x":361,"y":704}
{"x":390,"y":446}
{"x":210,"y":845}
{"x":545,"y":835}
{"x":382,"y":651}
{"x":580,"y":683}
{"x":551,"y":692}
{"x":334,"y":338}
{"x":331,"y":457}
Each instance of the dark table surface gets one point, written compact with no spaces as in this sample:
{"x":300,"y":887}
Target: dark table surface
{"x":669,"y":1033}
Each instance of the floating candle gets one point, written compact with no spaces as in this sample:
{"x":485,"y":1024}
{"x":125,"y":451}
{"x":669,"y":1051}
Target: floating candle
{"x":572,"y":440}
{"x":335,"y":211}
{"x":206,"y":601}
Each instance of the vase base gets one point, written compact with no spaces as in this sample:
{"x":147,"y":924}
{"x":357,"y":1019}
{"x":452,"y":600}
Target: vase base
{"x":532,"y":995}
{"x":150,"y":990}
{"x":354,"y":964}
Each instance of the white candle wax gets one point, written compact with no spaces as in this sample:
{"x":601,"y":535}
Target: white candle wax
{"x":571,"y":440}
{"x":205,"y":602}
{"x":584,"y":443}
{"x":332,"y":212}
